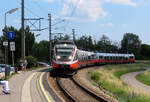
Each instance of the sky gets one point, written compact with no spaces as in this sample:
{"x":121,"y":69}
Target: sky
{"x":112,"y":18}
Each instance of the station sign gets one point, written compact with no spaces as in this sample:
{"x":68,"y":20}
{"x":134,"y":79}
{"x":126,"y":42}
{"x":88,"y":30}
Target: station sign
{"x":12,"y":46}
{"x":10,"y":35}
{"x":5,"y":43}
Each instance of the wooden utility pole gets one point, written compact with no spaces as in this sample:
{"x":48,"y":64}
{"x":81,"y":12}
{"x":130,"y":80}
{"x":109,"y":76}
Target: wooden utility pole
{"x":73,"y":33}
{"x":22,"y":34}
{"x":50,"y":39}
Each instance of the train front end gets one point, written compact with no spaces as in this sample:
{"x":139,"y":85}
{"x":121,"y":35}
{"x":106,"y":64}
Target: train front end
{"x":65,"y":57}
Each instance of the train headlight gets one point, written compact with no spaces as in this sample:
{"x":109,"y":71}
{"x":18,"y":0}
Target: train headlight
{"x":70,"y":57}
{"x":65,"y":44}
{"x":58,"y":57}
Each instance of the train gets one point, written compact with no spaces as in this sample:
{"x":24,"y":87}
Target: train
{"x":67,"y":58}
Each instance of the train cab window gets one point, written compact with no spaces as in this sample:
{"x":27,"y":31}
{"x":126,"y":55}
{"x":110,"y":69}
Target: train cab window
{"x":131,"y":57}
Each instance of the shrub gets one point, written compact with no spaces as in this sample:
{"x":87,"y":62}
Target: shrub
{"x":32,"y":62}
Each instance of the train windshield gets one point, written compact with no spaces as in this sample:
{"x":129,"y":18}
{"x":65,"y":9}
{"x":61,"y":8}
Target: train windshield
{"x":64,"y":51}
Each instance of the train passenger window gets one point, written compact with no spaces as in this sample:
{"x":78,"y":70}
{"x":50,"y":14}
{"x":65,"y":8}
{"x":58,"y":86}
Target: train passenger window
{"x":89,"y":57}
{"x":100,"y":57}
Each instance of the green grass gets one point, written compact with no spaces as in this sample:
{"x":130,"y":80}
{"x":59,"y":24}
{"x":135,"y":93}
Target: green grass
{"x":109,"y":78}
{"x":144,"y":77}
{"x":119,"y":73}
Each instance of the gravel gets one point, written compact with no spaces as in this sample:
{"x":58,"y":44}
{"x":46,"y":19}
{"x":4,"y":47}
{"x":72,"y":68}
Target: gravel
{"x":79,"y":94}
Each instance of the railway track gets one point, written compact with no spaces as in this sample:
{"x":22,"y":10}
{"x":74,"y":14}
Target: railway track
{"x":76,"y":92}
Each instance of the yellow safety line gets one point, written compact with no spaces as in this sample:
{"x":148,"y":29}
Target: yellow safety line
{"x":43,"y":90}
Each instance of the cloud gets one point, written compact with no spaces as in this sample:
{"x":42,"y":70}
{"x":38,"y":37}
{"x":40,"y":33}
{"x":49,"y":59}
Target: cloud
{"x":125,"y":2}
{"x":90,"y":8}
{"x":106,"y":25}
{"x":49,"y":1}
{"x":65,"y":10}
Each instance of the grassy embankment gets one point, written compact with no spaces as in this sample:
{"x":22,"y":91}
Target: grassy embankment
{"x":109,"y":78}
{"x":144,"y":77}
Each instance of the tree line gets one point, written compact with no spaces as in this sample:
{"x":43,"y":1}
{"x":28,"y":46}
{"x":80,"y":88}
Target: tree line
{"x":130,"y":43}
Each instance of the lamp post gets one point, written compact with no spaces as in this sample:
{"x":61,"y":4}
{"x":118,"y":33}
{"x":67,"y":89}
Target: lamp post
{"x":8,"y":12}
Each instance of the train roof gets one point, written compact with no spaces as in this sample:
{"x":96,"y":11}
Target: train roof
{"x":114,"y":54}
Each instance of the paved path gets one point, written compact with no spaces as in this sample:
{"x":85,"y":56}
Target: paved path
{"x":26,"y":91}
{"x":15,"y":84}
{"x":24,"y":87}
{"x":130,"y":79}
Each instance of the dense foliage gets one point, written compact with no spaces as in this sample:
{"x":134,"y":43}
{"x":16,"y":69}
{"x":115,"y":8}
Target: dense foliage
{"x":130,"y":43}
{"x":32,"y":62}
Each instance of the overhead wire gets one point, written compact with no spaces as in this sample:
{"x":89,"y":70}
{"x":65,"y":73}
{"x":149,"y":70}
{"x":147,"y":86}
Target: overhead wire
{"x":41,"y":7}
{"x":71,"y":15}
{"x":32,"y":12}
{"x":44,"y":9}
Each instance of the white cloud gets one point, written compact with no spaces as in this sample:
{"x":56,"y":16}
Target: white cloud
{"x":125,"y":2}
{"x":106,"y":25}
{"x":89,"y":8}
{"x":49,"y":1}
{"x":92,"y":9}
{"x":65,"y":9}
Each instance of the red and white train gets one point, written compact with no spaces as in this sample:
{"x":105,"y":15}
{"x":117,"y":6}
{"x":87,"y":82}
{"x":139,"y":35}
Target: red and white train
{"x":67,"y":58}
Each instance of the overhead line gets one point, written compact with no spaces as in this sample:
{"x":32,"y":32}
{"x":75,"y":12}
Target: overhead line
{"x":73,"y":11}
{"x":32,"y":12}
{"x":43,"y":9}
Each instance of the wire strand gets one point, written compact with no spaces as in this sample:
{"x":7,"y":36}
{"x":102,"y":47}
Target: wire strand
{"x":71,"y":15}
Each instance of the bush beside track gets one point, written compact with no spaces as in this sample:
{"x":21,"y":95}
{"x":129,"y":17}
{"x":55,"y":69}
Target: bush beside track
{"x":144,"y":77}
{"x":109,"y":78}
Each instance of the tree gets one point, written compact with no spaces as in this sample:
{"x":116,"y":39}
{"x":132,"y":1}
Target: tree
{"x":66,"y":37}
{"x":29,"y":41}
{"x":145,"y":51}
{"x":131,"y":44}
{"x":104,"y":44}
{"x":41,"y":50}
{"x":90,"y":43}
{"x":85,"y":42}
{"x":29,"y":38}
